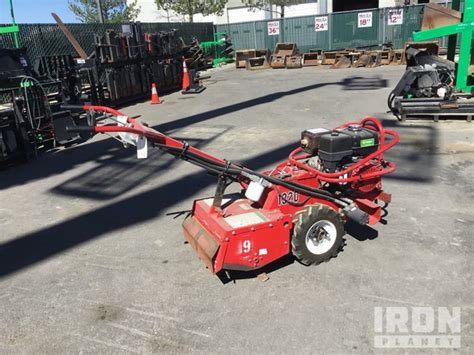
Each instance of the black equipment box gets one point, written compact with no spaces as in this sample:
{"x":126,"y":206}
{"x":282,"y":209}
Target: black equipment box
{"x":13,"y":62}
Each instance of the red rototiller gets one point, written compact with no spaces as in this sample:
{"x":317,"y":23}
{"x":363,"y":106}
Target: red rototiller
{"x":299,"y":207}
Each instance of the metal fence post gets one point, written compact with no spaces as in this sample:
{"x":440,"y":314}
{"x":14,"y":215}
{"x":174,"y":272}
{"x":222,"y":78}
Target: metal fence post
{"x":384,"y":23}
{"x":255,"y":33}
{"x":330,"y":19}
{"x":282,"y":21}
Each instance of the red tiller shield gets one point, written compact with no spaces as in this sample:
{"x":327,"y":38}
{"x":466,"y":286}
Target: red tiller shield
{"x":240,"y":237}
{"x":201,"y":241}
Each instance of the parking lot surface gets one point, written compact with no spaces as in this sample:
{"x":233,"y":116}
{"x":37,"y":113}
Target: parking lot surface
{"x":92,"y":258}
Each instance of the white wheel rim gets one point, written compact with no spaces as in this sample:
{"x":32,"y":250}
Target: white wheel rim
{"x":321,"y":237}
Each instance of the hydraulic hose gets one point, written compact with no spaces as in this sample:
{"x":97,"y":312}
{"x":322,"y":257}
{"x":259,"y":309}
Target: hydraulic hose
{"x":338,"y":177}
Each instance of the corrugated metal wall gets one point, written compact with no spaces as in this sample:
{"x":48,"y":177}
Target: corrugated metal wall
{"x":47,"y":39}
{"x":343,"y":31}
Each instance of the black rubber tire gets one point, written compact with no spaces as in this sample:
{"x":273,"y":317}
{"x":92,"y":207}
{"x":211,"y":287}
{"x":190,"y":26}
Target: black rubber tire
{"x":303,"y":221}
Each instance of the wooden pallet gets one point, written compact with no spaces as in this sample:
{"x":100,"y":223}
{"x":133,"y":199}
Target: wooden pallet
{"x":436,"y":116}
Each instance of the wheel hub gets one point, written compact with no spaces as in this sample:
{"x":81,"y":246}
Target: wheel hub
{"x":321,"y":237}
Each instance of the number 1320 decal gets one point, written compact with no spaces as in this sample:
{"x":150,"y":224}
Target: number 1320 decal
{"x":288,"y":197}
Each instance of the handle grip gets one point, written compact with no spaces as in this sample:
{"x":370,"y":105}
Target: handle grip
{"x":72,"y":107}
{"x":79,"y":129}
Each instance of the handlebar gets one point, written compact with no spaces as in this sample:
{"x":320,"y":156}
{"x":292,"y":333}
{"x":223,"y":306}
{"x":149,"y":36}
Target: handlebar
{"x":79,"y":129}
{"x":72,"y":107}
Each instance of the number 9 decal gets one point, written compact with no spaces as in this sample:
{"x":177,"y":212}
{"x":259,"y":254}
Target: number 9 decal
{"x":246,"y":246}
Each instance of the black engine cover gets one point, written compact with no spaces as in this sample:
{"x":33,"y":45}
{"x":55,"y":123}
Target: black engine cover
{"x":338,"y":147}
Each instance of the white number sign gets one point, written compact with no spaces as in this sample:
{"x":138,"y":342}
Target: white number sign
{"x":395,"y":17}
{"x":274,"y":28}
{"x":364,"y":19}
{"x":246,"y":246}
{"x":321,"y":23}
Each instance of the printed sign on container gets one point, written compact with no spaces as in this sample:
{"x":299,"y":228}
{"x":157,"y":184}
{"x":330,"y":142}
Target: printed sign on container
{"x":274,"y":28}
{"x":364,"y":19}
{"x":321,"y":23}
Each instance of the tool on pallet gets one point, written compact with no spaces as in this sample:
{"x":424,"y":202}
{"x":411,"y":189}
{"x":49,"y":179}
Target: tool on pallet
{"x":328,"y":57}
{"x":427,"y":88}
{"x":342,"y":60}
{"x":219,"y":49}
{"x":242,"y":56}
{"x":439,"y":21}
{"x":433,"y":86}
{"x":127,"y":62}
{"x":155,"y":98}
{"x":312,"y":58}
{"x":364,"y":56}
{"x":281,"y":53}
{"x":260,"y":60}
{"x":364,"y":60}
{"x":195,"y":56}
{"x":30,"y":118}
{"x":298,"y":207}
{"x":398,"y":57}
{"x":294,"y":62}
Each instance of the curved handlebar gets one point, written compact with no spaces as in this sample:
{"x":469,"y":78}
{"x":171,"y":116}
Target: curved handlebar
{"x":72,"y":107}
{"x":79,"y":129}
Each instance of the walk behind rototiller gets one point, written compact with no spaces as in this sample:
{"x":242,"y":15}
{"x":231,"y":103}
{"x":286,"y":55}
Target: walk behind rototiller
{"x":299,"y":207}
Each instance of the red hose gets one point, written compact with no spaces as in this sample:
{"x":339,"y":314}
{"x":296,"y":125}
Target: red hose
{"x":336,"y":177}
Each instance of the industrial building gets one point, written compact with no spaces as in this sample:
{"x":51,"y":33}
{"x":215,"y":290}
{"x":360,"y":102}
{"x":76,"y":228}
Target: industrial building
{"x":236,"y":11}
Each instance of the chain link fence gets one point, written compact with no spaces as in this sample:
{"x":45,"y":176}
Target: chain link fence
{"x":330,"y":31}
{"x":48,"y":39}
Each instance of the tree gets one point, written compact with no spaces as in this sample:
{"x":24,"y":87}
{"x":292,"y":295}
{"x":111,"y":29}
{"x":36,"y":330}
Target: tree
{"x":266,"y":4}
{"x":112,"y":10}
{"x":191,"y":7}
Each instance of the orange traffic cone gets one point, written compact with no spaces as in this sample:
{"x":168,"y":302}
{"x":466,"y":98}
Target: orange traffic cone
{"x":155,"y":99}
{"x":185,"y":77}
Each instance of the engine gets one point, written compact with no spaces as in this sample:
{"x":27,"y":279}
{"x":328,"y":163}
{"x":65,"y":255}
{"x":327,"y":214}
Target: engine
{"x":336,"y":150}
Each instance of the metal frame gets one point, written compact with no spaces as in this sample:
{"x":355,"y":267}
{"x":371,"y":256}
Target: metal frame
{"x":239,"y":234}
{"x":465,"y":30}
{"x":14,"y":28}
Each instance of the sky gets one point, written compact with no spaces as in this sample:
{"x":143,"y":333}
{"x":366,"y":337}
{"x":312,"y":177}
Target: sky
{"x":36,"y":11}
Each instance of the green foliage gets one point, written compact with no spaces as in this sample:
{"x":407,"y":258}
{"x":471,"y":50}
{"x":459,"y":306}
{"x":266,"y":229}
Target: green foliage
{"x":191,"y":7}
{"x":112,"y":10}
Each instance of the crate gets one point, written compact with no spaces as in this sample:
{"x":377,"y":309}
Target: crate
{"x":257,"y":63}
{"x":285,"y":49}
{"x":242,"y":55}
{"x":310,"y":59}
{"x":293,"y":62}
{"x":328,"y":58}
{"x":278,"y":62}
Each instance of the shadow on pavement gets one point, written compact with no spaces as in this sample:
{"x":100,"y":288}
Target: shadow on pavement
{"x":63,"y":160}
{"x":26,"y":250}
{"x":413,"y":155}
{"x":360,"y":83}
